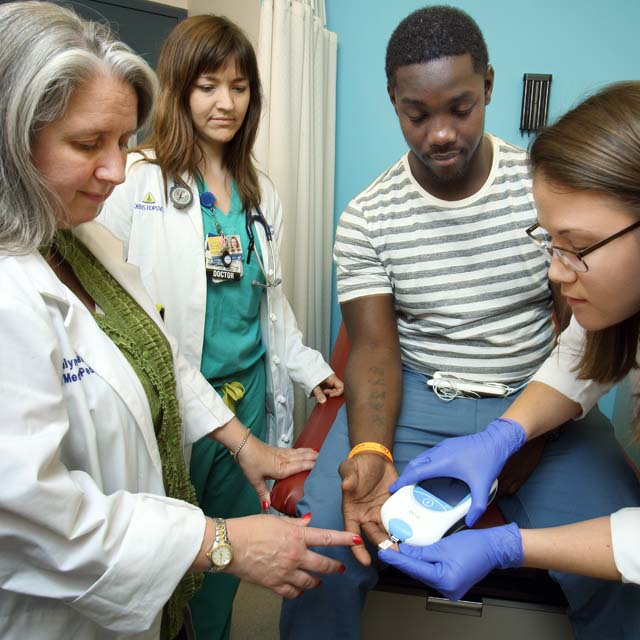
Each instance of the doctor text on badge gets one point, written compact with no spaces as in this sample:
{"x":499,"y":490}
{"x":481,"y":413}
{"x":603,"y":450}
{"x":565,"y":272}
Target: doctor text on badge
{"x":223,"y":274}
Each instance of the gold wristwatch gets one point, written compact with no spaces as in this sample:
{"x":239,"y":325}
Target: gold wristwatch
{"x":221,"y":553}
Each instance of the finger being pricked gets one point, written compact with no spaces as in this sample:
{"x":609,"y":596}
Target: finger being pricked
{"x":374,"y":533}
{"x":359,"y":550}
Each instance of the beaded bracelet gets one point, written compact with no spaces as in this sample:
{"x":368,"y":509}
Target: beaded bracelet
{"x":234,"y":454}
{"x":371,"y":447}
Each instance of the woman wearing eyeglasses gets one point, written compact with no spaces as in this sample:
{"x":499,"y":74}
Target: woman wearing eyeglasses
{"x":586,"y":171}
{"x":204,"y":227}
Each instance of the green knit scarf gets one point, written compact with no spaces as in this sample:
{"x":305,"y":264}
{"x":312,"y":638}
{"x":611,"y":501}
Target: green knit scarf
{"x":147,"y":349}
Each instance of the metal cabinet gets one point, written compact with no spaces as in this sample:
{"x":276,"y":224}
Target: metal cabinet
{"x":412,"y":617}
{"x":141,"y":24}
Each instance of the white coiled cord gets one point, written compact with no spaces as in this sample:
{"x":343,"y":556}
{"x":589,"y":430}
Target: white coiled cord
{"x":449,"y":386}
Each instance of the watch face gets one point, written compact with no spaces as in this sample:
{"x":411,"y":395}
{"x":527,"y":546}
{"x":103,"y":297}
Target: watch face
{"x":221,"y":556}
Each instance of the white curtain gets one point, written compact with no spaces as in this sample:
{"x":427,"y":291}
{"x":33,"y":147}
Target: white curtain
{"x":296,"y":148}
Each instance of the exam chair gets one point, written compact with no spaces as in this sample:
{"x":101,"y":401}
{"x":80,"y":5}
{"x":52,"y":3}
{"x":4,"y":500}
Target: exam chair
{"x":520,"y":588}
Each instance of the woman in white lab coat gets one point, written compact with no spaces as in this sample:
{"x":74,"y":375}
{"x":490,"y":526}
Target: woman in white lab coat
{"x":98,"y":526}
{"x":586,"y":171}
{"x":190,"y":190}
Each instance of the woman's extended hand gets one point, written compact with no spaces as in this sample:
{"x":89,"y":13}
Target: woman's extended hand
{"x":261,"y":462}
{"x":331,"y":387}
{"x":273,"y":551}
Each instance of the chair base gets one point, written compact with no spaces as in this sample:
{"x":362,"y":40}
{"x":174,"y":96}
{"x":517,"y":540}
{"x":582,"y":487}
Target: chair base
{"x":531,"y":586}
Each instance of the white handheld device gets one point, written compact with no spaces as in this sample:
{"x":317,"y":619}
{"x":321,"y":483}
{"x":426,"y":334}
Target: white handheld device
{"x":421,"y":514}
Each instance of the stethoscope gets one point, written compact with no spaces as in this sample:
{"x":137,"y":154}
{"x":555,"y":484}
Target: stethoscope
{"x":258,"y":217}
{"x":181,"y":197}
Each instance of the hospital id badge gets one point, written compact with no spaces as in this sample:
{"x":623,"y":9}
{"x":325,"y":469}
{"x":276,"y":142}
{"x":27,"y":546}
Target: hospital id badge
{"x":223,"y":257}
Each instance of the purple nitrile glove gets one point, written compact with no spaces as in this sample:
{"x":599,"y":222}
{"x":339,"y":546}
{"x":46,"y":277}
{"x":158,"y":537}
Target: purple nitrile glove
{"x":455,"y":563}
{"x":476,"y":459}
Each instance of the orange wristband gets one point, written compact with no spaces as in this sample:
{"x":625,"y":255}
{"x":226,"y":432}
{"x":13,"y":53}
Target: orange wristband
{"x":371,"y":447}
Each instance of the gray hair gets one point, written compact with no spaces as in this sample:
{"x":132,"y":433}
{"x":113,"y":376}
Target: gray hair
{"x":47,"y":53}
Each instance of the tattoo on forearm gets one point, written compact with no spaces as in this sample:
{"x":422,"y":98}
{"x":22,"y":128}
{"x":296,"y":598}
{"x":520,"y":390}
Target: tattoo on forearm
{"x":377,"y":395}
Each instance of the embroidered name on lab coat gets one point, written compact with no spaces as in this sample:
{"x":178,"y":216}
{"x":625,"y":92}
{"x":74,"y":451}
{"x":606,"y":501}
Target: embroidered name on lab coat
{"x":74,"y":369}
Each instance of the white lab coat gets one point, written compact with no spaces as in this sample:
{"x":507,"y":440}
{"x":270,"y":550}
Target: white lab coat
{"x":90,"y":547}
{"x":168,"y":246}
{"x":558,"y":371}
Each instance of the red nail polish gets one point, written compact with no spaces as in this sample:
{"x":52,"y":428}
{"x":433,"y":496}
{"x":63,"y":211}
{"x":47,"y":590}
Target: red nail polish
{"x":316,"y":450}
{"x":357,"y":539}
{"x":342,"y":569}
{"x":307,"y":516}
{"x":265,"y":505}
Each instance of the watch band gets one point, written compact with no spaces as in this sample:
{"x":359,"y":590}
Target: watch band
{"x":221,"y":540}
{"x":221,"y":531}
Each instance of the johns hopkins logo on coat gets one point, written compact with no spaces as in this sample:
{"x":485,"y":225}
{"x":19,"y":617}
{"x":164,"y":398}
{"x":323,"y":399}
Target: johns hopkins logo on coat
{"x":148,"y":204}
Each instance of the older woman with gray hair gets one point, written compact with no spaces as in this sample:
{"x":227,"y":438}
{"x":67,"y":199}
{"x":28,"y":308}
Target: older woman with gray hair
{"x":99,"y":534}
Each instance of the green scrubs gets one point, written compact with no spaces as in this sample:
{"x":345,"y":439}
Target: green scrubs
{"x":232,"y":352}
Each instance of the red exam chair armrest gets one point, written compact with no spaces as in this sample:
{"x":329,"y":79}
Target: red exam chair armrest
{"x":286,"y":492}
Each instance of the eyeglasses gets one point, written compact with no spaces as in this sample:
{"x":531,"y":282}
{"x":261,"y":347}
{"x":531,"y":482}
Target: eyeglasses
{"x":574,"y":259}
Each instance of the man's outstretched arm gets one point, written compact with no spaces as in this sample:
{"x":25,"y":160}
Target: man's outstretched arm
{"x":373,"y":392}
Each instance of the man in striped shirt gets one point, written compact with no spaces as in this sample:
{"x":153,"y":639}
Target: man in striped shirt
{"x":436,"y":274}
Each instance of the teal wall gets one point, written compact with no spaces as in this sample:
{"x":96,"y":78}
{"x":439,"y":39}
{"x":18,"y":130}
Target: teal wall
{"x":583,"y":43}
{"x":623,"y":419}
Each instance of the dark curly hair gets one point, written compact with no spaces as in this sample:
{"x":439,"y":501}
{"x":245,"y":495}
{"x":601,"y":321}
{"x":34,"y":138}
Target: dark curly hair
{"x":436,"y":32}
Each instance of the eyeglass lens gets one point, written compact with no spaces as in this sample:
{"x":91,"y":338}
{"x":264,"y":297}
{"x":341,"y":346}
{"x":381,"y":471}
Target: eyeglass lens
{"x":568,"y":259}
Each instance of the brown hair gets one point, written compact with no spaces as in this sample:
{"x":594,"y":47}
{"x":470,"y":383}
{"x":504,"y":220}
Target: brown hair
{"x":596,"y":147}
{"x":197,"y":45}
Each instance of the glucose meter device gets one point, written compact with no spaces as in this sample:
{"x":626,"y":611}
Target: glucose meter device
{"x":421,"y":514}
